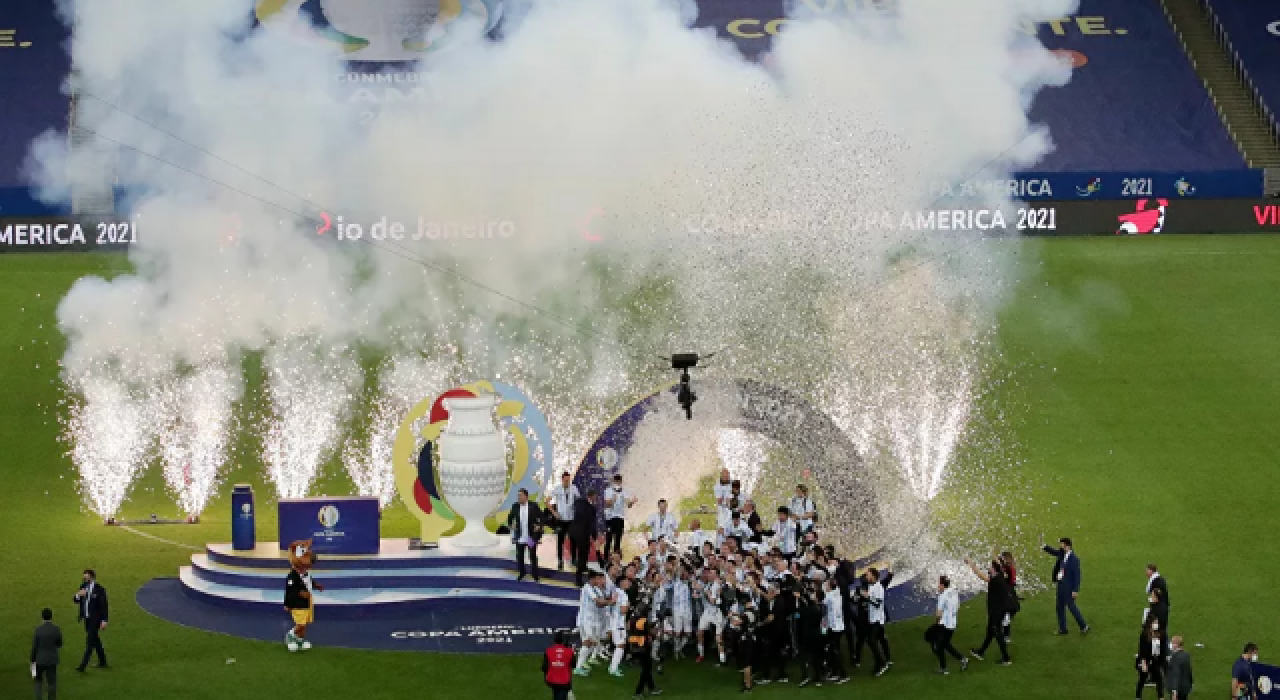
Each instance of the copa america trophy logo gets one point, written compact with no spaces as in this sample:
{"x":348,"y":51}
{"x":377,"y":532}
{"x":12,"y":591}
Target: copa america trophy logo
{"x":392,"y":31}
{"x":329,"y":516}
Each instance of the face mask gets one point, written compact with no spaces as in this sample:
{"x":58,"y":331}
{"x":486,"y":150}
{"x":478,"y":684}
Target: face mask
{"x":1254,"y":658}
{"x":1155,"y":628}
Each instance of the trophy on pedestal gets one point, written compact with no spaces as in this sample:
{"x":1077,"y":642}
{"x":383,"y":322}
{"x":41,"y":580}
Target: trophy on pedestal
{"x":473,"y":467}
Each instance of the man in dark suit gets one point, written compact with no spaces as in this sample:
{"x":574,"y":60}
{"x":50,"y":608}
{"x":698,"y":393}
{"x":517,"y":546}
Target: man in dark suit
{"x":44,"y":654}
{"x":582,"y":533}
{"x":1157,"y":596}
{"x":91,"y":603}
{"x":1178,"y":677}
{"x":1066,"y":571}
{"x":525,"y":522}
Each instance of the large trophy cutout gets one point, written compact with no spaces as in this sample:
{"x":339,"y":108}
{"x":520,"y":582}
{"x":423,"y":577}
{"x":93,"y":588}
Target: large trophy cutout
{"x":460,"y":458}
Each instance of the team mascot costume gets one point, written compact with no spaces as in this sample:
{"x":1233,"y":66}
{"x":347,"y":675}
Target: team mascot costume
{"x":297,"y":594}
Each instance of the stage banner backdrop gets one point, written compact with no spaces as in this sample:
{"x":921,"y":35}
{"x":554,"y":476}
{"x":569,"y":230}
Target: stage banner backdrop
{"x":340,"y":525}
{"x":1268,"y":678}
{"x":414,"y":456}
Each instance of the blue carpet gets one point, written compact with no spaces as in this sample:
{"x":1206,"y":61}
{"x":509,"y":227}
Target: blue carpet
{"x":479,"y":626}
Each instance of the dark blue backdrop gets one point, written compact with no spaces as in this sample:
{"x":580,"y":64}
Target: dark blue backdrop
{"x":33,"y":65}
{"x":356,"y":530}
{"x":1253,"y":28}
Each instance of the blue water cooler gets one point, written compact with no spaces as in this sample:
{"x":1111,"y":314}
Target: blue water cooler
{"x":242,"y":518}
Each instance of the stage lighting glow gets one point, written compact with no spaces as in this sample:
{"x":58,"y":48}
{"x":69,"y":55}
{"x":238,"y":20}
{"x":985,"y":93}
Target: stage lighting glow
{"x":111,"y":433}
{"x":194,"y":440}
{"x":311,"y":394}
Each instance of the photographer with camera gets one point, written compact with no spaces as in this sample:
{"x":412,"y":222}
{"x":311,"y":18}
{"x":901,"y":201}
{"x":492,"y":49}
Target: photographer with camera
{"x":743,"y":630}
{"x":812,"y":616}
{"x":640,"y":641}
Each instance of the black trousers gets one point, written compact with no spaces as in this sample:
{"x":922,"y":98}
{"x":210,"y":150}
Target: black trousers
{"x":1155,"y":674}
{"x":878,"y":642}
{"x":995,"y":631}
{"x":815,"y":656}
{"x":47,"y":675}
{"x":942,"y":646}
{"x":645,"y":684}
{"x":521,"y":550}
{"x":613,"y":537}
{"x":835,"y":665}
{"x":774,"y":653}
{"x":562,"y":535}
{"x":579,"y":545}
{"x":560,"y":692}
{"x":850,"y":630}
{"x":93,"y":642}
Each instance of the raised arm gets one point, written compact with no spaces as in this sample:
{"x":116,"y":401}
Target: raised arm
{"x":978,"y":572}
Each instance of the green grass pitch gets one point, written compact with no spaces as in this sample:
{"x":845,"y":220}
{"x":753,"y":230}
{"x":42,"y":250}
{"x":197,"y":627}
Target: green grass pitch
{"x":1147,"y":396}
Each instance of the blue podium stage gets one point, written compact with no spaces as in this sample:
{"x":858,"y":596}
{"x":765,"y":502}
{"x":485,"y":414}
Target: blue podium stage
{"x":400,"y":599}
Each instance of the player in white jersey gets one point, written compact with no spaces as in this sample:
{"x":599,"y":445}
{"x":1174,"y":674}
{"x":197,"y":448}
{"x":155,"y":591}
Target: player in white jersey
{"x":803,"y":509}
{"x":712,"y":615}
{"x":611,"y":593}
{"x":681,"y":611}
{"x":723,"y":493}
{"x":592,"y":607}
{"x":618,"y":624}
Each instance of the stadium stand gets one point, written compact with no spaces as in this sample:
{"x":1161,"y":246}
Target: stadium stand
{"x":1250,"y":30}
{"x":1135,"y":102}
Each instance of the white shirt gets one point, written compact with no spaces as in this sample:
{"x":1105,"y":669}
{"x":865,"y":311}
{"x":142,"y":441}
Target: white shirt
{"x":798,"y":507}
{"x":876,"y":609}
{"x":740,"y":530}
{"x":84,"y":602}
{"x":524,"y":520}
{"x":785,"y":536}
{"x":619,"y":507}
{"x":1063,"y":569}
{"x":711,"y":593}
{"x":620,"y":610}
{"x":662,"y":525}
{"x":722,"y":493}
{"x":948,"y":608}
{"x":835,"y":612}
{"x":588,"y":611}
{"x":697,"y":538}
{"x":681,"y":598}
{"x":564,"y":498}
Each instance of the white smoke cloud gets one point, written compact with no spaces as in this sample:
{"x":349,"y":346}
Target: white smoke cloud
{"x":741,"y":203}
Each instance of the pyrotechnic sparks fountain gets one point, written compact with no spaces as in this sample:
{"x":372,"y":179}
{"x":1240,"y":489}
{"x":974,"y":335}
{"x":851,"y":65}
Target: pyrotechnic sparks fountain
{"x":194,"y":439}
{"x":311,"y":393}
{"x":112,"y":433}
